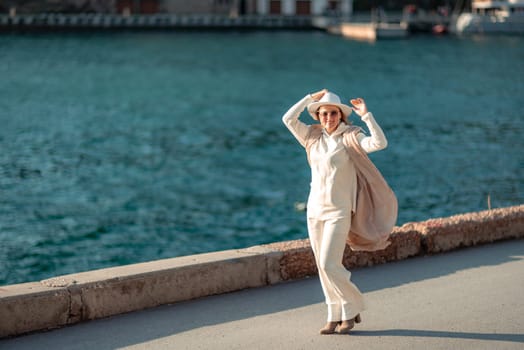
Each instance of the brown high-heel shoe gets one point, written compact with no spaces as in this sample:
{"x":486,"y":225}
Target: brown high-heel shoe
{"x":346,"y":326}
{"x":358,"y":319}
{"x":329,"y":328}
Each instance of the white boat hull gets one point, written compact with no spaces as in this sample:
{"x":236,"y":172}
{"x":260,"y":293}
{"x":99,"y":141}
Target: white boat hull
{"x":475,"y":23}
{"x":491,"y":16}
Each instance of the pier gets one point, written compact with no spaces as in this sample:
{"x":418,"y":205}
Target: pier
{"x":70,"y":299}
{"x":57,"y":21}
{"x":393,"y":25}
{"x":469,"y":299}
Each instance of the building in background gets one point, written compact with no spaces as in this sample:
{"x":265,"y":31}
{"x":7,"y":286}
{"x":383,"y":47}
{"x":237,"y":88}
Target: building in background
{"x":214,"y":7}
{"x":217,"y":7}
{"x":303,"y":7}
{"x":238,"y":7}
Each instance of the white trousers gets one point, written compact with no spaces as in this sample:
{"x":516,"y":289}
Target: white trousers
{"x":328,"y":240}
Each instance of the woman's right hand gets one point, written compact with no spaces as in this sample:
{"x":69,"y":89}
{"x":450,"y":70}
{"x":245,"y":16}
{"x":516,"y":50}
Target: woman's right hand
{"x":318,"y":95}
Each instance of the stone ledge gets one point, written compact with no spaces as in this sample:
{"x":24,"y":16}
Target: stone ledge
{"x":466,"y":230}
{"x":101,"y":293}
{"x":32,"y":306}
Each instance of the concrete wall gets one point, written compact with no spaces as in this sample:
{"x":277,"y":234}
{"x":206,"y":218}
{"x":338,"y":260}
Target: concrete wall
{"x":95,"y":294}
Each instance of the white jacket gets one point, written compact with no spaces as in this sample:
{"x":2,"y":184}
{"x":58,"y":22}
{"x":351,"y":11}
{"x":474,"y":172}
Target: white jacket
{"x":333,"y":176}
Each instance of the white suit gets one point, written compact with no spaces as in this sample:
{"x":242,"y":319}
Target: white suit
{"x":331,"y":201}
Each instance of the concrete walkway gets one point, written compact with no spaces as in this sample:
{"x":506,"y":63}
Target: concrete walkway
{"x":466,"y":299}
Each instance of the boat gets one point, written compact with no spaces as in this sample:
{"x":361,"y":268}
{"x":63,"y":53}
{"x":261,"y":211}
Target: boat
{"x":373,"y":31}
{"x":491,"y":17}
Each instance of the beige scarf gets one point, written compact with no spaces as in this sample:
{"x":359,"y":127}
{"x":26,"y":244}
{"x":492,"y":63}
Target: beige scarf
{"x":376,"y":213}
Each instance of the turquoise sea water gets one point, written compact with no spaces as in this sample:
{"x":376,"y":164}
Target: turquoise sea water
{"x":127,"y":147}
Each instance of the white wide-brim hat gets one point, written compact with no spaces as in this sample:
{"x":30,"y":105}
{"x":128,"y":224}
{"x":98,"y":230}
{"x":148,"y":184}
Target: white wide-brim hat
{"x":330,"y":99}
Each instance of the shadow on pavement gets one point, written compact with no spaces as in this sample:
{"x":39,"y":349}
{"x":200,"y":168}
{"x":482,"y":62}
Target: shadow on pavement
{"x":420,"y":268}
{"x":517,"y":338}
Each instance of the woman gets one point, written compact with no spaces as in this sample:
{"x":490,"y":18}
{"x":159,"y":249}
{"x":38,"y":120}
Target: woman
{"x":333,"y":196}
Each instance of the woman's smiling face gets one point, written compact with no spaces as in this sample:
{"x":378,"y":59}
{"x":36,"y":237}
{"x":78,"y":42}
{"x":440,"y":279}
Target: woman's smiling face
{"x":329,"y":117}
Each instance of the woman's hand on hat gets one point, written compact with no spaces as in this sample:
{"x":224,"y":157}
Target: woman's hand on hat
{"x":359,"y":106}
{"x":318,"y":95}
